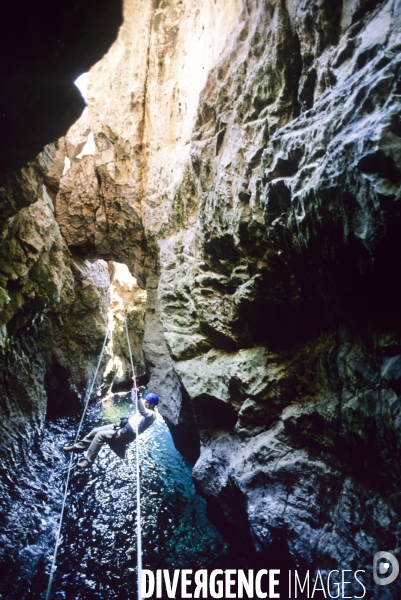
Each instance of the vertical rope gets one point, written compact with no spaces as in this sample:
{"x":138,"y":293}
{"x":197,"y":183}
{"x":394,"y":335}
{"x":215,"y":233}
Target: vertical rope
{"x":53,"y":566}
{"x":138,"y":489}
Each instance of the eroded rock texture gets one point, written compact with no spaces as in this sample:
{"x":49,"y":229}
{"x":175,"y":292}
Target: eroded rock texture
{"x":291,"y":280}
{"x":52,"y":304}
{"x":273,"y":236}
{"x":52,"y":325}
{"x":53,"y":319}
{"x":247,"y":170}
{"x":53,"y":312}
{"x":117,"y":203}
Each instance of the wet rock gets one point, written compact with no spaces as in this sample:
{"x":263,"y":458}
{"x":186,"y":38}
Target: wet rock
{"x":53,"y":318}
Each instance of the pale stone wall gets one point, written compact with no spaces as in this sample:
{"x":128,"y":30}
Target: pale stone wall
{"x":146,"y":91}
{"x":259,"y":204}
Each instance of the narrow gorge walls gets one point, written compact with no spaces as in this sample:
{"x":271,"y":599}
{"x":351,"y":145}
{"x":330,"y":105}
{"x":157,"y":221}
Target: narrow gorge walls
{"x":52,"y":325}
{"x":247,"y":171}
{"x":117,"y":203}
{"x":52,"y":304}
{"x":264,"y":224}
{"x":44,"y":290}
{"x":54,"y":310}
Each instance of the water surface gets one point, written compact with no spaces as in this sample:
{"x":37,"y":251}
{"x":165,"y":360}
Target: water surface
{"x":97,"y":557}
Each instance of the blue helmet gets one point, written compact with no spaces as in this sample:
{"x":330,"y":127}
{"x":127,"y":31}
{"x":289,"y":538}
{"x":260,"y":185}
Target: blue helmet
{"x":152,"y":398}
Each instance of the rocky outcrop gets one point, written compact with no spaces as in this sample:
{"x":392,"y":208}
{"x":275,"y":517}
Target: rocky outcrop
{"x":272,"y":236}
{"x":52,"y":325}
{"x":285,"y":284}
{"x":53,"y":312}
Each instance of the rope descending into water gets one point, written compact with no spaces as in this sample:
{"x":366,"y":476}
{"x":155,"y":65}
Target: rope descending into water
{"x":134,"y":397}
{"x":52,"y":569}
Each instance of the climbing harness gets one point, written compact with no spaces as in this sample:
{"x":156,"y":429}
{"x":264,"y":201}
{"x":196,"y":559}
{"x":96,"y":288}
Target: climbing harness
{"x":53,"y":566}
{"x":134,"y":400}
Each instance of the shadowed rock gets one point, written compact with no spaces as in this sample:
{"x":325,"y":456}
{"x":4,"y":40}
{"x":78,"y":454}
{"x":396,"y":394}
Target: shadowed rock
{"x":45,"y":46}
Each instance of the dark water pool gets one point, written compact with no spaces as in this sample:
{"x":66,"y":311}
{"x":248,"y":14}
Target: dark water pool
{"x":97,"y":556}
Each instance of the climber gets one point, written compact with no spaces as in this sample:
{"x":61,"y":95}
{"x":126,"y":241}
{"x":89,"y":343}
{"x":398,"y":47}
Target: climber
{"x":117,"y":436}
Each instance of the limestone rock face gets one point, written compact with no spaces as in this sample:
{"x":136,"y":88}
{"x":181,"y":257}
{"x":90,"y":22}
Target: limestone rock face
{"x":53,"y":311}
{"x":97,"y":218}
{"x":258,"y":202}
{"x":278,"y":304}
{"x":116,"y":203}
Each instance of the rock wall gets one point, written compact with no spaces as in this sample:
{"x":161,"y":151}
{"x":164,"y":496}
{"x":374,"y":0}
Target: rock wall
{"x":53,"y":314}
{"x":271,"y":238}
{"x":247,"y":170}
{"x":117,"y":203}
{"x":281,"y":316}
{"x":45,"y":292}
{"x":54,"y":310}
{"x":52,"y":325}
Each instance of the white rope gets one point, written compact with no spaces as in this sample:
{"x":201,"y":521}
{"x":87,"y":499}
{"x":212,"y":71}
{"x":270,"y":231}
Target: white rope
{"x":52,"y":569}
{"x":138,"y":489}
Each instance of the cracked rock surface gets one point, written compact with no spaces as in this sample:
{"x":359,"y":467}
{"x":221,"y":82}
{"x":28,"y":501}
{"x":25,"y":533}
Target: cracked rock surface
{"x":53,"y":319}
{"x":274,"y":245}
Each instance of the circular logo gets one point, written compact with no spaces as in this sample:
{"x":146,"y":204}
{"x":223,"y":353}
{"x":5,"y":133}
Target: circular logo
{"x":381,"y":568}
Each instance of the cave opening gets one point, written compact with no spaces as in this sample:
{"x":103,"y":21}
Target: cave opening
{"x":97,"y":554}
{"x":127,"y":303}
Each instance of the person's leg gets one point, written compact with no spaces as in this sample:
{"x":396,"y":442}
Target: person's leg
{"x":83,"y":444}
{"x":102,"y":435}
{"x":87,"y":440}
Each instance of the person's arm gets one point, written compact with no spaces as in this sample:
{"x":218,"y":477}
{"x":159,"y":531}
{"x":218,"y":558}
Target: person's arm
{"x":145,"y":412}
